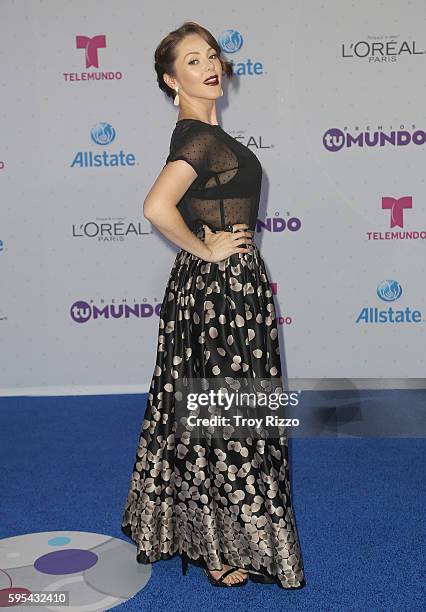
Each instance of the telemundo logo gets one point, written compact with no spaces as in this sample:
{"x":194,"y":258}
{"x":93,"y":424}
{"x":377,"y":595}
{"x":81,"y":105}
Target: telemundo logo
{"x":103,"y":134}
{"x":389,"y":291}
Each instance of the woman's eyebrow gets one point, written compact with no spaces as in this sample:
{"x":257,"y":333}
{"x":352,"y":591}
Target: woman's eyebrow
{"x":197,"y":51}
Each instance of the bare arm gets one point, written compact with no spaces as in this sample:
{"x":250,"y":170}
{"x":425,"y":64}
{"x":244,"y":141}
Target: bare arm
{"x":160,"y":207}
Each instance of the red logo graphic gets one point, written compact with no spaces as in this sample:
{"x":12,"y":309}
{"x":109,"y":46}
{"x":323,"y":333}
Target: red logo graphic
{"x":396,"y":206}
{"x":91,"y":45}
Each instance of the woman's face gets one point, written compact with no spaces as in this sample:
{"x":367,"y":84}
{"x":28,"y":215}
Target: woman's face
{"x":196,"y":61}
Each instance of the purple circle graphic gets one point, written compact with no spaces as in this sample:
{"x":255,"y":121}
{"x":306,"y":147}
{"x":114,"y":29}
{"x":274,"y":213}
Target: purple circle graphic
{"x":80,"y":312}
{"x":66,"y":561}
{"x":333,"y":140}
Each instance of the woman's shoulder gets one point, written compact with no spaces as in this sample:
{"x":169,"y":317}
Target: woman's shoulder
{"x":185,"y":127}
{"x":193,"y":141}
{"x":191,"y":132}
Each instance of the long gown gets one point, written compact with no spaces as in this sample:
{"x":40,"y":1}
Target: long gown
{"x":218,"y":498}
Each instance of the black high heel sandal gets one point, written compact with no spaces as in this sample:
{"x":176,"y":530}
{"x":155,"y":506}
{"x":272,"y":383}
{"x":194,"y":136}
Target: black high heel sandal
{"x":219,"y":582}
{"x":267,"y":579}
{"x":262,"y":578}
{"x":184,"y":559}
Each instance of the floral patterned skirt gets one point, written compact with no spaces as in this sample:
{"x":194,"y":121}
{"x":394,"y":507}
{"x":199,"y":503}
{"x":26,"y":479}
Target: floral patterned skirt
{"x":219,"y":499}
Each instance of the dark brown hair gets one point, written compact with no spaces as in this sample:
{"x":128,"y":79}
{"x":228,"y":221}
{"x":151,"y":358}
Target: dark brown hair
{"x":165,"y":53}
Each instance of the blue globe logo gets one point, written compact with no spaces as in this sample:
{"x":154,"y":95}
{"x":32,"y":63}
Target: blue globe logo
{"x":230,"y":41}
{"x":103,"y":133}
{"x":389,"y":290}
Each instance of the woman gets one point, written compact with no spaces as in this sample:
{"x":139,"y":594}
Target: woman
{"x":221,"y":501}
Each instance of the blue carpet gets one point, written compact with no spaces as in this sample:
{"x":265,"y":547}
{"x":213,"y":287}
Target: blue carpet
{"x":359,"y":506}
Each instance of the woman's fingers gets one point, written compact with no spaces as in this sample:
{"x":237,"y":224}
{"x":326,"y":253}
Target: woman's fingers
{"x":225,"y":243}
{"x":243,"y":237}
{"x":239,"y":226}
{"x":241,"y":230}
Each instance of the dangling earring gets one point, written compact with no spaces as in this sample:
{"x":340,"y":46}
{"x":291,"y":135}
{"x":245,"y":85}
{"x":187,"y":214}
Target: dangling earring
{"x":221,"y":91}
{"x":176,"y":100}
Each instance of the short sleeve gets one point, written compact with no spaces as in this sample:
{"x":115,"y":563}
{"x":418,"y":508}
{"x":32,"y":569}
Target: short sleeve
{"x":193,"y":144}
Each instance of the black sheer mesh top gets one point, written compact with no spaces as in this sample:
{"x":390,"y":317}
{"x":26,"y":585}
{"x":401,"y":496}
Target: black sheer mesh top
{"x":229,"y":175}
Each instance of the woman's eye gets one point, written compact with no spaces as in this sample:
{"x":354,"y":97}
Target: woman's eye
{"x":213,"y":55}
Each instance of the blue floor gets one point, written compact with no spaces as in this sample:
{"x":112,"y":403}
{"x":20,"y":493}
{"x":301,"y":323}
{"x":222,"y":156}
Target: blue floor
{"x":359,"y":506}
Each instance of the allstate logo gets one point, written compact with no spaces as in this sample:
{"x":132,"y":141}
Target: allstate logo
{"x":103,"y":133}
{"x":389,"y":290}
{"x":230,"y":41}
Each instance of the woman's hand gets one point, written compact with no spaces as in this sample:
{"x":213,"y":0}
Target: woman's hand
{"x":222,"y":244}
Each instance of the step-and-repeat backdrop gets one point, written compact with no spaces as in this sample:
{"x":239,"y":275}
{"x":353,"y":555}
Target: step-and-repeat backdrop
{"x":331,"y":98}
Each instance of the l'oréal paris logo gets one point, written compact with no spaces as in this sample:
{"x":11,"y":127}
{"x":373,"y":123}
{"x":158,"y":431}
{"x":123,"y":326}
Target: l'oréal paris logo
{"x":336,"y":139}
{"x":250,"y":141}
{"x":380,"y":49}
{"x":395,"y":210}
{"x":109,"y":229}
{"x":89,"y":52}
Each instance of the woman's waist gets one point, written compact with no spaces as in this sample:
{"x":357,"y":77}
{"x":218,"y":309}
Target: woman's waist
{"x":253,"y":254}
{"x":199,"y":230}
